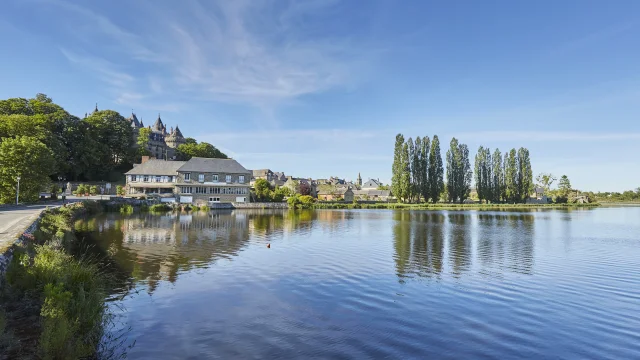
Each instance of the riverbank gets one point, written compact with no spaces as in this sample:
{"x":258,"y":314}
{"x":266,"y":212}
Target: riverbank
{"x":443,"y":206}
{"x":53,"y":301}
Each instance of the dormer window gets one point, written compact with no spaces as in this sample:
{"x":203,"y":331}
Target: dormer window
{"x":214,"y":177}
{"x":228,"y":178}
{"x":201,"y":177}
{"x":187,"y":177}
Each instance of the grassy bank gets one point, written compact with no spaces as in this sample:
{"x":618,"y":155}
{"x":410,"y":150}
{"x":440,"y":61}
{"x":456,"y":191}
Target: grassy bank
{"x":442,"y":206}
{"x":53,"y":302}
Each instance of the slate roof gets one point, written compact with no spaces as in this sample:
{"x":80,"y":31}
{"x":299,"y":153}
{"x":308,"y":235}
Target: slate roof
{"x":156,"y":167}
{"x":372,"y":183}
{"x":261,"y":172}
{"x":213,"y":165}
{"x":372,"y":192}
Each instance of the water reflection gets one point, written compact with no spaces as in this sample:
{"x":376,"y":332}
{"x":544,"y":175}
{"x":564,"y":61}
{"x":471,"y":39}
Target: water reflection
{"x":504,"y":242}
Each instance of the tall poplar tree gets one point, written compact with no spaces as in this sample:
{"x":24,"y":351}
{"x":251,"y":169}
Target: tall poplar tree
{"x":396,"y":170}
{"x":412,"y":170}
{"x":525,"y":175}
{"x":416,"y":168}
{"x":479,"y":173}
{"x":436,"y":172}
{"x":424,"y":168}
{"x":452,"y":170}
{"x":405,"y":178}
{"x":465,"y":174}
{"x":488,"y":175}
{"x":497,"y":186}
{"x":511,"y":176}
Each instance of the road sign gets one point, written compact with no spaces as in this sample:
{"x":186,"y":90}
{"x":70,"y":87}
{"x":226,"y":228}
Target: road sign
{"x":108,"y":186}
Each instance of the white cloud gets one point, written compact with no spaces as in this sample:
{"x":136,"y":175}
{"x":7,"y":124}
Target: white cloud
{"x":248,"y":52}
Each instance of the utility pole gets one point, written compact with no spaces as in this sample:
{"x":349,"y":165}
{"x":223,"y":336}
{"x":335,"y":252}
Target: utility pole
{"x":18,"y":190}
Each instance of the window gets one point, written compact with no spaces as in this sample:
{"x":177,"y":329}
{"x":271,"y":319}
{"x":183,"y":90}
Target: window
{"x":241,"y":179}
{"x":158,"y":178}
{"x":201,"y":190}
{"x":186,"y":189}
{"x":201,"y":177}
{"x":214,"y":199}
{"x":187,"y":176}
{"x":214,"y":177}
{"x":228,"y":178}
{"x":145,"y":178}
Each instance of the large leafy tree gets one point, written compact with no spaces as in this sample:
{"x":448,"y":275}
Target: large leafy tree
{"x":436,"y":171}
{"x":116,"y":140}
{"x":203,"y":149}
{"x":31,"y":160}
{"x":396,"y":168}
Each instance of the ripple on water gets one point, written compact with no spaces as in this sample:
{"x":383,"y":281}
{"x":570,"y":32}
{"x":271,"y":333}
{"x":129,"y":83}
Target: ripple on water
{"x":379,"y":284}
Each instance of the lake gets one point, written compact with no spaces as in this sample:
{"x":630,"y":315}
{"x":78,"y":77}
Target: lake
{"x":376,"y":283}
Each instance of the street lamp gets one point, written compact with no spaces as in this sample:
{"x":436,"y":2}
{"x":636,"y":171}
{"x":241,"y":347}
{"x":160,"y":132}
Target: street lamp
{"x":18,"y":190}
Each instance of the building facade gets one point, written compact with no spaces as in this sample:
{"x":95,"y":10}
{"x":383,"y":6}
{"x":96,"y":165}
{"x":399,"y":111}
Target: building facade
{"x":199,"y":181}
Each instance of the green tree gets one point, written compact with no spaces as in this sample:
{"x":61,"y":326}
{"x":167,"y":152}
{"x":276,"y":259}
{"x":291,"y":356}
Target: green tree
{"x":459,"y":172}
{"x":396,"y":169}
{"x":262,"y":190}
{"x":424,"y":168}
{"x":480,"y":180}
{"x":525,"y":175}
{"x":405,"y":179}
{"x":203,"y":149}
{"x":414,"y":155}
{"x":545,"y":180}
{"x":436,"y":171}
{"x":511,"y":176}
{"x":143,"y":141}
{"x":115,"y":141}
{"x":564,"y":185}
{"x":31,"y":160}
{"x":498,"y":178}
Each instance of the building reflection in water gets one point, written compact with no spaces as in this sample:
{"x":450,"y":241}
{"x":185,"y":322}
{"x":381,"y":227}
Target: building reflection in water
{"x":504,"y":242}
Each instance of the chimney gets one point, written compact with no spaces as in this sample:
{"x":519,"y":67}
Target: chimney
{"x":144,"y":159}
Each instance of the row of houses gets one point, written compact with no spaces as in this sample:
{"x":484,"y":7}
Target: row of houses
{"x":331,"y":189}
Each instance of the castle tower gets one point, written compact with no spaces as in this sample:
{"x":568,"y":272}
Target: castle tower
{"x":175,"y":138}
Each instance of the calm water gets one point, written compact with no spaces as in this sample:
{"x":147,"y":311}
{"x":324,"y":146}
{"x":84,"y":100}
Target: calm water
{"x":378,"y":284}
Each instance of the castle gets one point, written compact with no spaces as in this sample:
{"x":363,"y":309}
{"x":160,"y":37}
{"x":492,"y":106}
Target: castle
{"x":162,"y":143}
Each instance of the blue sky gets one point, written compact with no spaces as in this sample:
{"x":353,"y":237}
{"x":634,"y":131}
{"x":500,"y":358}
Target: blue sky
{"x":321,"y":88}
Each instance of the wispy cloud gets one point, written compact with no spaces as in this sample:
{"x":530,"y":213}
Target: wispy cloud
{"x":249,"y":52}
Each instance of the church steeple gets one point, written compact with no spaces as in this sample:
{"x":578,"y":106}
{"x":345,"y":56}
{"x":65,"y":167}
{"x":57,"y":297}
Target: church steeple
{"x":359,"y":182}
{"x":96,"y":109}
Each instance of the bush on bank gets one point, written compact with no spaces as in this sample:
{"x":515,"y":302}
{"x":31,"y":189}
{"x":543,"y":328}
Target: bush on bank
{"x":66,"y":293}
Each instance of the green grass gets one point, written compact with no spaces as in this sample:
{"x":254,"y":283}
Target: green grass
{"x":65,"y":292}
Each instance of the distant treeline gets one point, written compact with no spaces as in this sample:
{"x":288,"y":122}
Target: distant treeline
{"x":418,"y":173}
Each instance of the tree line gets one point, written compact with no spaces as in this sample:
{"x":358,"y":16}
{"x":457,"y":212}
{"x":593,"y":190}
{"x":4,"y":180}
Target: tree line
{"x":418,"y":173}
{"x":40,"y":142}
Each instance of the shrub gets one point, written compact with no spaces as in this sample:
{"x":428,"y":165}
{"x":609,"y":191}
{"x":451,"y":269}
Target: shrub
{"x":160,"y":207}
{"x":126,"y":209}
{"x":120,"y":190}
{"x":93,"y":190}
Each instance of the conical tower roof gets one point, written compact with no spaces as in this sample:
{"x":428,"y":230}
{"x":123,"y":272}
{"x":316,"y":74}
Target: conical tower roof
{"x":133,"y":119}
{"x":178,"y":132}
{"x":158,"y":125}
